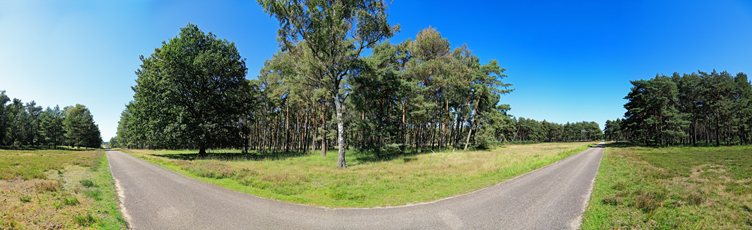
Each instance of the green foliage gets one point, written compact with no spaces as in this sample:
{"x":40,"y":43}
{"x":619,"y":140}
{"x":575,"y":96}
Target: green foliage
{"x":335,"y":35}
{"x":52,"y":129}
{"x":23,"y":125}
{"x":529,"y":130}
{"x":191,"y":92}
{"x":80,"y":130}
{"x":685,"y":109}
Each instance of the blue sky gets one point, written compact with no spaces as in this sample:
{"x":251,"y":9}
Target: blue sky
{"x":568,"y":60}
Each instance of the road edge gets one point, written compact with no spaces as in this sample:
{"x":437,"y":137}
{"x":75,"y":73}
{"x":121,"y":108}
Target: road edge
{"x":120,"y":194}
{"x":577,"y":222}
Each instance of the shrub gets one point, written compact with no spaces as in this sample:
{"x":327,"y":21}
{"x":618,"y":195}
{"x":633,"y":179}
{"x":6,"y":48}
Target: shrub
{"x":486,"y":140}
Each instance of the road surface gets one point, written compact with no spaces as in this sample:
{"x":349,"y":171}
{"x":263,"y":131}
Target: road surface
{"x":552,"y":197}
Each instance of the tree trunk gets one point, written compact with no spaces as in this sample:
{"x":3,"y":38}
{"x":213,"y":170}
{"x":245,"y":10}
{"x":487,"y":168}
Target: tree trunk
{"x":340,"y":130}
{"x":314,"y":127}
{"x":472,"y":120}
{"x":202,"y":152}
{"x":287,"y":126}
{"x":323,"y":130}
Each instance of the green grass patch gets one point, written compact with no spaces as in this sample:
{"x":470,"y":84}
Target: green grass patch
{"x":672,"y":188}
{"x":63,"y":188}
{"x":314,"y":180}
{"x":87,"y":183}
{"x":85,"y":220}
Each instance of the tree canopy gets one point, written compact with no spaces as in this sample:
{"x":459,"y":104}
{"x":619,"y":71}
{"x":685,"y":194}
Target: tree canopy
{"x":27,"y":124}
{"x":335,"y":34}
{"x":319,"y":91}
{"x":696,"y":108}
{"x":191,"y":92}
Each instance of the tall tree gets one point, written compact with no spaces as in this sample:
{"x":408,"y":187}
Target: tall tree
{"x":31,"y":130}
{"x":80,"y":130}
{"x":18,"y":118}
{"x":51,"y":126}
{"x":4,"y":117}
{"x":336,"y":33}
{"x":191,"y":92}
{"x":698,"y":108}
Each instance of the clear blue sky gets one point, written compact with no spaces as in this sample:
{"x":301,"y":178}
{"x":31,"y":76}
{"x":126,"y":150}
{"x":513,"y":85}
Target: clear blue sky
{"x":568,"y":60}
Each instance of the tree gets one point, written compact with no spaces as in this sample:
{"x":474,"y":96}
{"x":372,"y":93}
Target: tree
{"x":4,"y":117}
{"x":80,"y":130}
{"x":336,"y":33}
{"x":31,"y":129}
{"x":191,"y":92}
{"x":51,"y":126}
{"x":18,"y":118}
{"x":697,"y":108}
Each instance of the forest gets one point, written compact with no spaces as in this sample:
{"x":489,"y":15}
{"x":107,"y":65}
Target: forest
{"x":29,"y":125}
{"x":688,"y":109}
{"x":320,"y":90}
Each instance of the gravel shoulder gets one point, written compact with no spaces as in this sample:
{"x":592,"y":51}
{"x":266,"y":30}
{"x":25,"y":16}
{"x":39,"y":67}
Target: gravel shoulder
{"x":552,"y":197}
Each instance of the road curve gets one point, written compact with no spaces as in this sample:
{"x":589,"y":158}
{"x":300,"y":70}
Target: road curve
{"x":552,"y":197}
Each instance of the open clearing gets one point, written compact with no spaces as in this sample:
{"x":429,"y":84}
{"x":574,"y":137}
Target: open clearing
{"x":552,"y":197}
{"x":314,"y":180}
{"x":52,"y":189}
{"x":672,"y":188}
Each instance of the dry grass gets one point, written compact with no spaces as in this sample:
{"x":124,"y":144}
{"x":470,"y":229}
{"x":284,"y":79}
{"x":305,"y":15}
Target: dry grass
{"x":314,"y":180}
{"x":672,"y":188}
{"x":56,"y":198}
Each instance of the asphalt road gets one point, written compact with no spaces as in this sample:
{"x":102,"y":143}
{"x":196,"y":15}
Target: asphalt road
{"x":552,"y":197}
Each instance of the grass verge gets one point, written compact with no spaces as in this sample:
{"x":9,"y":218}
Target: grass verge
{"x":314,"y":180}
{"x":49,"y":189}
{"x":672,"y":188}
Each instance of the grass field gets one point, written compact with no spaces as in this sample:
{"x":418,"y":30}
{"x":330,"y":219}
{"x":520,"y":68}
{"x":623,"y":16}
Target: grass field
{"x":313,"y":180}
{"x":672,"y":188}
{"x":57,"y":189}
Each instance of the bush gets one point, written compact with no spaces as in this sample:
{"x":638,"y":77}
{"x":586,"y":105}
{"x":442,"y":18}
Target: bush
{"x":392,"y":149}
{"x":485,"y":140}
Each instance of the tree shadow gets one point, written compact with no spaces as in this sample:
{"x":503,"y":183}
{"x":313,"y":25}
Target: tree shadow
{"x":232,"y":156}
{"x":622,"y":144}
{"x":627,"y":144}
{"x":408,"y":155}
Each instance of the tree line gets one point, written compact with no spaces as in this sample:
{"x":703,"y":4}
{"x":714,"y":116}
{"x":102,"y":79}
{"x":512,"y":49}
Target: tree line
{"x":28,"y":124}
{"x":529,"y":130}
{"x":687,"y":109}
{"x":318,"y":91}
